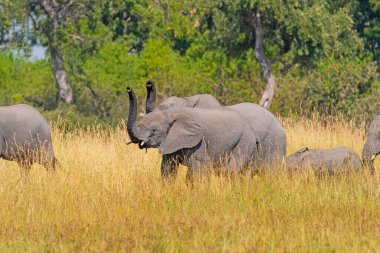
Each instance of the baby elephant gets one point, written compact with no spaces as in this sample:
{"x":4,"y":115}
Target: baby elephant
{"x":336,"y":160}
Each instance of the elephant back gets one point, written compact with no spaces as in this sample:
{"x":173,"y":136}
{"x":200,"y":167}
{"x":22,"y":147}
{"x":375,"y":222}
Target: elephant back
{"x":22,"y":128}
{"x":271,"y":133}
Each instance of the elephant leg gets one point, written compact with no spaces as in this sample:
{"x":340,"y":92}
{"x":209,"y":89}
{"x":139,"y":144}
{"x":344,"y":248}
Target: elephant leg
{"x":169,"y":166}
{"x":197,"y":168}
{"x":236,"y":162}
{"x":3,"y":147}
{"x":51,"y":164}
{"x":46,"y":156}
{"x":54,"y":163}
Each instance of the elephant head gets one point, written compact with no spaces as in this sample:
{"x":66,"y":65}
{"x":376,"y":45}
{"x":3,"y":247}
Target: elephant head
{"x":150,"y":96}
{"x":297,"y":159}
{"x":169,"y":130}
{"x":372,"y":145}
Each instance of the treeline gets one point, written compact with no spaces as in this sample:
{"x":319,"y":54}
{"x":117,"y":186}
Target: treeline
{"x":324,"y":55}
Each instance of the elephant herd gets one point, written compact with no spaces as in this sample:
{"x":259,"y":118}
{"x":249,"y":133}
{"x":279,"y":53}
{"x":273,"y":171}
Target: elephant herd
{"x":201,"y":134}
{"x":195,"y":131}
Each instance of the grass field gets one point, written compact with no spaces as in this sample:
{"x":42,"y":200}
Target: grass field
{"x":109,"y":197}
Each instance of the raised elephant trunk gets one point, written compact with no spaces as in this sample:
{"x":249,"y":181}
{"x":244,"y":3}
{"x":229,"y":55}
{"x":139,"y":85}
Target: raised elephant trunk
{"x":132,"y":115}
{"x":150,"y":96}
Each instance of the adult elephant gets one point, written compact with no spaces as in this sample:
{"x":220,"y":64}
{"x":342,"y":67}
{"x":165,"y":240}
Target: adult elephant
{"x":270,"y":132}
{"x":195,"y":137}
{"x":332,"y":161}
{"x":372,"y":145}
{"x":25,"y":136}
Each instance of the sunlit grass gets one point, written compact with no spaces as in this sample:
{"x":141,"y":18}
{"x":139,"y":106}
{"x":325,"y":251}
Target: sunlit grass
{"x":108,"y":196}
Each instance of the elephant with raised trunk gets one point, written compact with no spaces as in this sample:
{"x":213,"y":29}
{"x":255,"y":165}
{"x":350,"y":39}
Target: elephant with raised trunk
{"x":25,"y":136}
{"x":205,"y":101}
{"x":195,"y":137}
{"x":372,"y":145}
{"x":269,"y":130}
{"x":336,"y":160}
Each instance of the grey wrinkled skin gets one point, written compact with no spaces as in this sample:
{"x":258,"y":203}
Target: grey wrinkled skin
{"x":336,"y":160}
{"x":204,"y":101}
{"x":197,"y":138}
{"x":198,"y":101}
{"x":25,"y":136}
{"x":271,"y":134}
{"x":372,"y":145}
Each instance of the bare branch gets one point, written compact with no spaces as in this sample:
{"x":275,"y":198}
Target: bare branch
{"x":49,"y":8}
{"x":76,"y":37}
{"x":126,"y":19}
{"x":65,"y":9}
{"x":34,"y":22}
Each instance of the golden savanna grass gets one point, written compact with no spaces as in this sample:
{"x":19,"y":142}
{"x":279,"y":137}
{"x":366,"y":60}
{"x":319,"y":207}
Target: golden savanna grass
{"x":109,"y":197}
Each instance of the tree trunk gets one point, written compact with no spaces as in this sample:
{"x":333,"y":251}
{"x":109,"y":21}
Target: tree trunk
{"x":267,"y":97}
{"x":61,"y":77}
{"x":51,"y":9}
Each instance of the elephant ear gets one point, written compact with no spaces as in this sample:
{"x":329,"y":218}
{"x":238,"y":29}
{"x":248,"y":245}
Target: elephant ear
{"x":184,"y":132}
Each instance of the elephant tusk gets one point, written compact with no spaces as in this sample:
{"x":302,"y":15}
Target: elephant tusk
{"x":142,"y":145}
{"x":373,"y":157}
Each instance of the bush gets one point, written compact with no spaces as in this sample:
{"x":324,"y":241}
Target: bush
{"x":339,"y":86}
{"x":22,"y":81}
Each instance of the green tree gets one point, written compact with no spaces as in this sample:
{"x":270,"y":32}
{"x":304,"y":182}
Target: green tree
{"x":340,"y":86}
{"x":22,"y":81}
{"x":321,"y":52}
{"x":45,"y":21}
{"x":367,"y":17}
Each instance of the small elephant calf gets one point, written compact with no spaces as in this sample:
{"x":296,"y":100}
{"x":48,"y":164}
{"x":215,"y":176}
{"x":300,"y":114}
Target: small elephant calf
{"x":336,"y":160}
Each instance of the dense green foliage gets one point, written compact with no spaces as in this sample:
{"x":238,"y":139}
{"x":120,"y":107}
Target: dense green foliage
{"x":325,"y":55}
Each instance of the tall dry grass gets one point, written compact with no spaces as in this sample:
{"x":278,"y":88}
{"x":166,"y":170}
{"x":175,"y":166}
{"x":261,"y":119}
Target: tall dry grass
{"x":109,"y":197}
